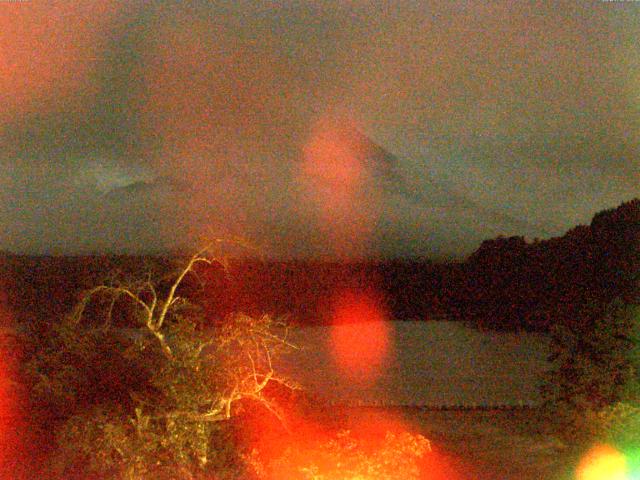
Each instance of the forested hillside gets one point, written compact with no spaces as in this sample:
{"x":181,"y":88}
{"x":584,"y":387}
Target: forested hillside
{"x":509,"y":283}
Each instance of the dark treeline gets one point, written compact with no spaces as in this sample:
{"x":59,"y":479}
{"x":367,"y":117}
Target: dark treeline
{"x":43,"y":288}
{"x":410,"y":289}
{"x":507,"y":283}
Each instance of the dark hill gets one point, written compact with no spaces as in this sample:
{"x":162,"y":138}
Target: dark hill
{"x":509,"y":283}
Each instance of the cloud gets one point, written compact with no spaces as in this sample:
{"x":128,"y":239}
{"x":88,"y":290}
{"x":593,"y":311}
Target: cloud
{"x":500,"y":119}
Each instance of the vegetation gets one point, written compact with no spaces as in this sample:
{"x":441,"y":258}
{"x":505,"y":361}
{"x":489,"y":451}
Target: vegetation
{"x":142,"y":377}
{"x":347,"y":457}
{"x":135,"y":383}
{"x":138,"y":386}
{"x":596,"y":375}
{"x":593,"y":391}
{"x":512,"y":284}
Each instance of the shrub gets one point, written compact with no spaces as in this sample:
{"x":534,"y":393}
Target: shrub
{"x":137,"y":386}
{"x":596,"y":366}
{"x":619,"y":424}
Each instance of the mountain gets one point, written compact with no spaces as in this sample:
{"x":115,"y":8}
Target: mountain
{"x":432,"y":192}
{"x":339,"y":195}
{"x":159,"y":185}
{"x":420,"y":214}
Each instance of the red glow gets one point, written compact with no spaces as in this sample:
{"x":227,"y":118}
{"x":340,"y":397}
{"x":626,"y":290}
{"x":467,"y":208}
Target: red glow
{"x":334,"y":161}
{"x":11,"y":424}
{"x":373,"y":425}
{"x":360,"y":342}
{"x":603,"y":462}
{"x":337,"y":183}
{"x":376,"y":423}
{"x":369,"y":445}
{"x":349,"y":444}
{"x":6,"y":413}
{"x":208,"y":96}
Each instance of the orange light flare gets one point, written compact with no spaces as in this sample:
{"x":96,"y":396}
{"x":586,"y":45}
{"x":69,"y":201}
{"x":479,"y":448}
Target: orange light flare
{"x":371,"y":426}
{"x":603,"y":462}
{"x":209,"y":97}
{"x":339,"y":443}
{"x":334,"y":167}
{"x":11,"y":417}
{"x":268,"y":437}
{"x":209,"y":112}
{"x":361,"y":445}
{"x":337,"y":182}
{"x":360,"y":335}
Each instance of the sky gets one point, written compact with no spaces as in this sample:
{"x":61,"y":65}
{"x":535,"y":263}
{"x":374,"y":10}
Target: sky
{"x":313,"y":129}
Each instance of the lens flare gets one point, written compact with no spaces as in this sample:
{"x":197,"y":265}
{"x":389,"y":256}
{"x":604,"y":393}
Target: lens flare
{"x":11,"y":425}
{"x":370,"y":448}
{"x":359,"y":336}
{"x":603,"y":462}
{"x":337,"y":181}
{"x":334,"y":163}
{"x":6,"y":414}
{"x":346,"y":444}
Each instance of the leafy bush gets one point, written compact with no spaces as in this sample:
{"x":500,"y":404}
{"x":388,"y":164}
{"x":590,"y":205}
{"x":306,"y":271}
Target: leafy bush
{"x":619,"y":424}
{"x":136,"y":385}
{"x":596,"y":366}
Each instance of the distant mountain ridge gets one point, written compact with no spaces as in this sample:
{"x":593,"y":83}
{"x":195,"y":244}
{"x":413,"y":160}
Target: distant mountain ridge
{"x":437,"y":193}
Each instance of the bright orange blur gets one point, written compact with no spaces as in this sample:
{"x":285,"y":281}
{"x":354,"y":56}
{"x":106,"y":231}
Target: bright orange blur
{"x":315,"y":439}
{"x":10,"y":419}
{"x":603,"y":462}
{"x":375,"y":423}
{"x":313,"y":445}
{"x":337,"y":183}
{"x":334,"y":164}
{"x":372,"y":426}
{"x":208,"y":96}
{"x":6,"y":412}
{"x":360,"y":343}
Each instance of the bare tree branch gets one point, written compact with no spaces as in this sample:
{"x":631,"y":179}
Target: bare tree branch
{"x":192,"y":377}
{"x":197,"y":258}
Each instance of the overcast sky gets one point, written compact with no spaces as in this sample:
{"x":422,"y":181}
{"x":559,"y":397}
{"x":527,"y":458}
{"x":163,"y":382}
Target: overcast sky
{"x":351,"y":128}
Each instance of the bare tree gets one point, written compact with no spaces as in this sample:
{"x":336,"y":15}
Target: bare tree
{"x":188,"y":376}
